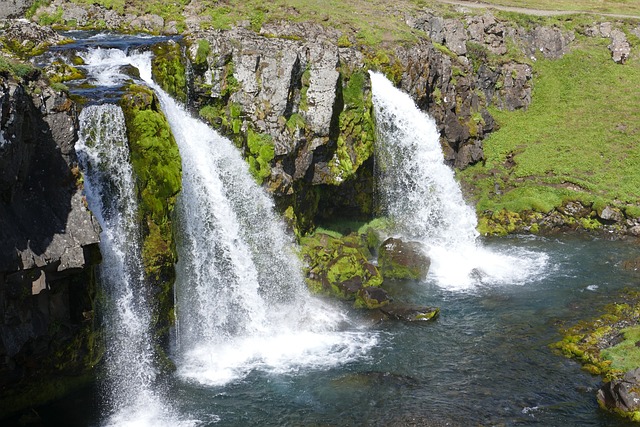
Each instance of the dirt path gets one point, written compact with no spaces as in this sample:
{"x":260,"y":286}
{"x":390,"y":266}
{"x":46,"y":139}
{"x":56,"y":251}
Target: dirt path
{"x":527,"y":11}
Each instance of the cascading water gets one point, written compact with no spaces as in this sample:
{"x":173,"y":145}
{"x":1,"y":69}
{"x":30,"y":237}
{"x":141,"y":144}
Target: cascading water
{"x":420,"y":195}
{"x":241,"y":300}
{"x":132,"y":396}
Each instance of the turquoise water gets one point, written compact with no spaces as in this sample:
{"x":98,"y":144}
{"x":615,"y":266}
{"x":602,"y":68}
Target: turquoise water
{"x":485,"y":361}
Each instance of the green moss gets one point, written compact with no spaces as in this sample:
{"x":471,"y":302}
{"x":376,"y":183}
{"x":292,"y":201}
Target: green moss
{"x":355,"y":143}
{"x":587,"y":340}
{"x":59,"y":72}
{"x":169,"y":70}
{"x":261,"y":152}
{"x":295,"y":122}
{"x":625,"y":356}
{"x":204,"y":49}
{"x":337,"y":266}
{"x":156,"y":161}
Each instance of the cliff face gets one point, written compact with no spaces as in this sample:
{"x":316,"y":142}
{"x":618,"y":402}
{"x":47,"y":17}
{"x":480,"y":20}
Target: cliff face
{"x":306,"y":96}
{"x":48,"y":239}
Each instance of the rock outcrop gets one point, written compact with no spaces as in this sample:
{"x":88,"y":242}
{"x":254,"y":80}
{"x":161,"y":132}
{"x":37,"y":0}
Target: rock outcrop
{"x":622,"y":396}
{"x":619,"y":46}
{"x":48,"y":242}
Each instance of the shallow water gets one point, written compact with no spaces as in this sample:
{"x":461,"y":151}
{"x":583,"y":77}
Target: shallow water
{"x":485,"y":361}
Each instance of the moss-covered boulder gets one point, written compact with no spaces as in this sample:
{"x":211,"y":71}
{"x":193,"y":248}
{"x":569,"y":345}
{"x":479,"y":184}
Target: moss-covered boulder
{"x":398,"y":259}
{"x":156,"y":161}
{"x":338,"y":266}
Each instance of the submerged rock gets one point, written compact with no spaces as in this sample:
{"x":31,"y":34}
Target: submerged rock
{"x":409,"y":313}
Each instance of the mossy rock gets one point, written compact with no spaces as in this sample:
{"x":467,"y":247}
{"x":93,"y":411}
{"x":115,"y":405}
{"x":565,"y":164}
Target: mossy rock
{"x":403,"y":260}
{"x":337,"y":266}
{"x":156,"y":161}
{"x":169,"y":70}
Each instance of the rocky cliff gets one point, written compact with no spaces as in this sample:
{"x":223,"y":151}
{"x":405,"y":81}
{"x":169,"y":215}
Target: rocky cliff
{"x":48,"y":244}
{"x":303,"y":91}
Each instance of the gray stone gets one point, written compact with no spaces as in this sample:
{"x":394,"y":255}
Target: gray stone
{"x":611,"y":214}
{"x":619,"y":47}
{"x":551,"y":42}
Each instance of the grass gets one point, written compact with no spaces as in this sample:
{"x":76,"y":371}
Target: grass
{"x":577,"y":141}
{"x":625,"y":356}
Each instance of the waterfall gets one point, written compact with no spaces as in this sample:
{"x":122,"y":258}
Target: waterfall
{"x":241,"y":301}
{"x":130,"y":388}
{"x":419,"y":193}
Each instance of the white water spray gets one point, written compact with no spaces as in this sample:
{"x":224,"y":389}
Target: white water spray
{"x":419,"y":193}
{"x":131,"y":388}
{"x":241,"y":301}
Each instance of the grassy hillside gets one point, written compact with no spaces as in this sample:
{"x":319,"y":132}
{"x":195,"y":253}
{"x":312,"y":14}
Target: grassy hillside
{"x":579,"y":140}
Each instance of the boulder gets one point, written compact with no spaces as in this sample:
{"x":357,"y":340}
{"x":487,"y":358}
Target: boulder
{"x":402,"y":260}
{"x":611,"y":214}
{"x":338,"y":266}
{"x":622,"y":395}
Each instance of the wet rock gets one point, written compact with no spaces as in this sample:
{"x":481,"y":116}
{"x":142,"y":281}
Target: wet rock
{"x":398,"y":259}
{"x":409,"y":313}
{"x":373,"y":297}
{"x":622,"y":395}
{"x":632,"y":264}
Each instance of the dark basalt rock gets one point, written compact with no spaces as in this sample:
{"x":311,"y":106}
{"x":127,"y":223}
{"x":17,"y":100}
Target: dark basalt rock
{"x":623,"y":395}
{"x":48,"y":245}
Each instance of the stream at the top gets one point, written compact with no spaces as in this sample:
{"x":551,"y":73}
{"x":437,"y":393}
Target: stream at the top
{"x":484,"y":361}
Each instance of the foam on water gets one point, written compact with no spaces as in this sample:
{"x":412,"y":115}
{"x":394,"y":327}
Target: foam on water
{"x":421,"y":196}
